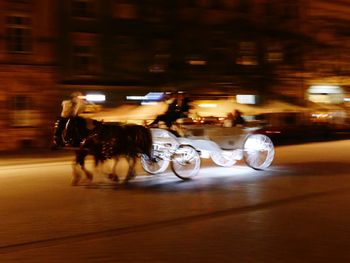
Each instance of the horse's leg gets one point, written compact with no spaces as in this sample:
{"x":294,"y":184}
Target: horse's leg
{"x":79,"y":168}
{"x":76,"y":174}
{"x":131,"y":171}
{"x":88,"y":174}
{"x":100,"y":161}
{"x":97,"y":170}
{"x":113,"y":175}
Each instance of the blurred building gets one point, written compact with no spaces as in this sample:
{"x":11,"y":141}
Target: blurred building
{"x":27,"y":72}
{"x":328,"y":63}
{"x":211,"y":48}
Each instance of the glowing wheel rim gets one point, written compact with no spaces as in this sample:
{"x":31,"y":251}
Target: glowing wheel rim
{"x":258,"y":151}
{"x":224,"y":158}
{"x":186,"y":162}
{"x":153,"y":166}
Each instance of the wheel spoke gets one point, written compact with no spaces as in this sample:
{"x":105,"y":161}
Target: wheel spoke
{"x":258,"y":151}
{"x":154,"y":166}
{"x":186,"y":162}
{"x":223,"y":158}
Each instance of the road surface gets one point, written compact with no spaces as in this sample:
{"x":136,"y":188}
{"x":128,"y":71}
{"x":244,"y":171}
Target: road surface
{"x":296,"y":211}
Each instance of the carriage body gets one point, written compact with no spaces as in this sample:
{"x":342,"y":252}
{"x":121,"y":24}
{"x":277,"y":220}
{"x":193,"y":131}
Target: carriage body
{"x":224,"y":145}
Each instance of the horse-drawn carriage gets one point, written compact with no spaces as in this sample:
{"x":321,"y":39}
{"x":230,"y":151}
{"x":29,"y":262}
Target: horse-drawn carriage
{"x":224,"y":145}
{"x":161,"y":147}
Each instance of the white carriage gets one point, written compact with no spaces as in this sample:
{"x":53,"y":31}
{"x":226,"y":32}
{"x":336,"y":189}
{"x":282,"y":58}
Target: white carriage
{"x":224,"y":145}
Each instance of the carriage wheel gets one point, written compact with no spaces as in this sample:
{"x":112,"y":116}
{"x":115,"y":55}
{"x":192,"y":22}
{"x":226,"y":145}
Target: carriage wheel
{"x":186,"y":162}
{"x":258,"y":151}
{"x":155,"y":166}
{"x":223,"y":158}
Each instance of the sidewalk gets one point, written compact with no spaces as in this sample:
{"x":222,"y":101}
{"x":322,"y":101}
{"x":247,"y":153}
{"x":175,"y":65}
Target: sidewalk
{"x":27,"y":156}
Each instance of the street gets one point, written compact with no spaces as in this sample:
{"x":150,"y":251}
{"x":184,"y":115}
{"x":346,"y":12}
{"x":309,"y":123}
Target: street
{"x":296,"y":211}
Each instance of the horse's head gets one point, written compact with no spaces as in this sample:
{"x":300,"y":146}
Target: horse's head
{"x":75,"y":131}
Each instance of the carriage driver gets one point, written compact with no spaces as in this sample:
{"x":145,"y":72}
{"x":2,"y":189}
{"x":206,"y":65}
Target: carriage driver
{"x":70,"y":108}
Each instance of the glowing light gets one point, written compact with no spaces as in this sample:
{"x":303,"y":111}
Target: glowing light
{"x":197,"y":62}
{"x":246,"y":99}
{"x":148,"y":96}
{"x":207,"y":105}
{"x":273,"y":132}
{"x":154,"y":96}
{"x":326,"y":94}
{"x":320,"y":115}
{"x":135,"y":97}
{"x":149,"y":103}
{"x":346,"y":99}
{"x":325,"y":89}
{"x":95,"y":97}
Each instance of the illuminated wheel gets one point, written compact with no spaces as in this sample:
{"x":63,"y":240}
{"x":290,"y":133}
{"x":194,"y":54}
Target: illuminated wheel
{"x":223,"y":158}
{"x":258,"y":151}
{"x":154,"y":166}
{"x":186,"y":162}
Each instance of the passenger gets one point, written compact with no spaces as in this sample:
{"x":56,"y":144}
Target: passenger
{"x":237,"y":118}
{"x":228,"y":122}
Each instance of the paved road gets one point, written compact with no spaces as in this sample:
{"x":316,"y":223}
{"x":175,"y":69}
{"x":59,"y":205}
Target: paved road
{"x":296,"y":211}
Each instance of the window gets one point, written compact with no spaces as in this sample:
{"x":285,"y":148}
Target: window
{"x":84,"y":54}
{"x":274,"y":53}
{"x":20,"y":102}
{"x":247,"y":54}
{"x":21,"y":112}
{"x":82,"y":8}
{"x":131,"y":57}
{"x":125,"y":9}
{"x":84,"y":60}
{"x":19,"y":34}
{"x":161,"y":55}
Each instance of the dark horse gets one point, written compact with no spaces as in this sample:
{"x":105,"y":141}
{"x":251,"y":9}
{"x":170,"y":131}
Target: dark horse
{"x":106,"y":141}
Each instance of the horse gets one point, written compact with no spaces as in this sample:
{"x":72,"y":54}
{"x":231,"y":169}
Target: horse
{"x":107,"y":141}
{"x":67,"y":134}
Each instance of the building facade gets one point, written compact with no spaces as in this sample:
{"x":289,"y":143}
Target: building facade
{"x":210,"y":48}
{"x":27,"y":72}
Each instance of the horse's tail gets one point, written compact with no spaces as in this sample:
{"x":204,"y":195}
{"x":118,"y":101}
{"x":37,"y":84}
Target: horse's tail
{"x":148,"y":142}
{"x":144,"y":140}
{"x":140,"y":137}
